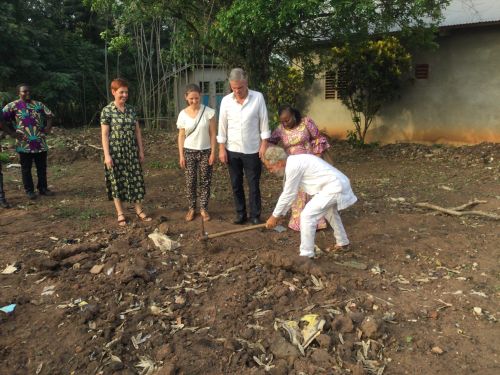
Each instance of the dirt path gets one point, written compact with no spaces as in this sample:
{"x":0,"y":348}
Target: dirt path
{"x":417,"y":293}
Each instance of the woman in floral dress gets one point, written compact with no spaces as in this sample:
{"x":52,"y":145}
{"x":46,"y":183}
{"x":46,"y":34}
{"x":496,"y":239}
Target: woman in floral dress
{"x":299,"y":135}
{"x":123,"y":153}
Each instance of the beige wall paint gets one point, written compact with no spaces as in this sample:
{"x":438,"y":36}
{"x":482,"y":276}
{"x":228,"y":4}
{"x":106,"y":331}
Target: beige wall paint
{"x":458,"y":103}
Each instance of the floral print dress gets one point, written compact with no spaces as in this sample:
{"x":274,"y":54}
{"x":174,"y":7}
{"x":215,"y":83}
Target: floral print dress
{"x":124,"y":180}
{"x":305,"y":138}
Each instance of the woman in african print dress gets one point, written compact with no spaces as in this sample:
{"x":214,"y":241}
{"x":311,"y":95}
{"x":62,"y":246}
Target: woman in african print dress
{"x":123,"y":153}
{"x":299,"y":135}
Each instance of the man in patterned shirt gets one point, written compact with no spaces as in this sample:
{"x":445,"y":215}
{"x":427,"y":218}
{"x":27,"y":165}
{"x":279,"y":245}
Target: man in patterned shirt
{"x":32,"y":121}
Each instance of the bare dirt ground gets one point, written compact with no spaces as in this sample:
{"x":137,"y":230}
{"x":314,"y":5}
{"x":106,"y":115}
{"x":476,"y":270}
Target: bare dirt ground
{"x":417,"y":293}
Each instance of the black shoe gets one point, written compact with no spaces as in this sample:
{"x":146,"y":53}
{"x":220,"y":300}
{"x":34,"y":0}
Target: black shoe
{"x":47,"y":192}
{"x":31,"y":195}
{"x":4,"y":204}
{"x":240,"y":219}
{"x":256,"y":220}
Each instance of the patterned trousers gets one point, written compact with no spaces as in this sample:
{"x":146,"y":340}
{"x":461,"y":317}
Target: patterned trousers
{"x":197,"y":164}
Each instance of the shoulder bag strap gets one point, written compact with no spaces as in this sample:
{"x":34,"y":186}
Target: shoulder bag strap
{"x":197,"y":122}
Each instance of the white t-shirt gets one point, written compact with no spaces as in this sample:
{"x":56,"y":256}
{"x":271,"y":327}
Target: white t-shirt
{"x":199,"y":139}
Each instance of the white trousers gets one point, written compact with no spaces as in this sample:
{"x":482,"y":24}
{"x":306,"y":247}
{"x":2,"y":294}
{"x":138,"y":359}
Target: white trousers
{"x":321,"y":204}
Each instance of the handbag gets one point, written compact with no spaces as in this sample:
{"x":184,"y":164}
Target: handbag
{"x":197,"y":122}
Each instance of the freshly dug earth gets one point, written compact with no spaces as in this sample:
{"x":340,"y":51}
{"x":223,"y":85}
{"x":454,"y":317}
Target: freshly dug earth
{"x":416,"y":293}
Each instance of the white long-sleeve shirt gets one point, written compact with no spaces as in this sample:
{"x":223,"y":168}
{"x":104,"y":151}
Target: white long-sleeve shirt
{"x":313,"y":175}
{"x":242,"y":126}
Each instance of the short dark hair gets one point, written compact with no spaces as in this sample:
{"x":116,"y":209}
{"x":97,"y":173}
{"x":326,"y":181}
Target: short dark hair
{"x":18,"y":87}
{"x":294,"y":111}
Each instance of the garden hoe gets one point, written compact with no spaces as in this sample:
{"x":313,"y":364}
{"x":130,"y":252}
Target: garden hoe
{"x":205,"y":236}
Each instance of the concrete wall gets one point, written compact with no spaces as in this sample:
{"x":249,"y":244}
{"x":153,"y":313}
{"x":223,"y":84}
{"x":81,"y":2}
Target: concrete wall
{"x":458,"y":103}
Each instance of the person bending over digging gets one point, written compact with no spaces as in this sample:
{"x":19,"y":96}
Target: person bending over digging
{"x":330,"y":190}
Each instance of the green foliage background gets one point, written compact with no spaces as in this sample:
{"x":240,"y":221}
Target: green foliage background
{"x":68,"y":50}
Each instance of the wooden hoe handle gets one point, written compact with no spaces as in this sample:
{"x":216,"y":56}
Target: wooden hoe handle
{"x":251,"y":227}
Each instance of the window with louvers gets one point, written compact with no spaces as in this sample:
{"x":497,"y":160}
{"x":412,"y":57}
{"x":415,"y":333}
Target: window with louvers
{"x":335,"y":84}
{"x":422,"y":71}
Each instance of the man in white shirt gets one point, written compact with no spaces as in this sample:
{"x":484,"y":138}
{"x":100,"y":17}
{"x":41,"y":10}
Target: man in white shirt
{"x":330,"y":190}
{"x":242,"y":137}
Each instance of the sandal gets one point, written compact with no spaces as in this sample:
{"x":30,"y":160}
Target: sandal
{"x":205,"y":215}
{"x":142,"y":216}
{"x":190,"y":215}
{"x":122,"y":222}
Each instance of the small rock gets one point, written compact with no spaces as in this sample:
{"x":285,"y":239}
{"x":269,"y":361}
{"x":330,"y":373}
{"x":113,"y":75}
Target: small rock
{"x":163,"y":228}
{"x":433,"y":315}
{"x":357,"y":317}
{"x":247,"y":333}
{"x":116,"y":365}
{"x":321,"y":357}
{"x":356,"y":369}
{"x":324,"y":341}
{"x":345,"y":351}
{"x":96,"y":269}
{"x":437,"y":350}
{"x":163,"y":352}
{"x":280,"y":367}
{"x":343,"y":324}
{"x":478,"y":311}
{"x":231,"y":344}
{"x":371,"y":327}
{"x":282,"y":349}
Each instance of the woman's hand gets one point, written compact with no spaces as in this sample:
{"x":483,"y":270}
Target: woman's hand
{"x":141,"y":156}
{"x":211,"y":159}
{"x":182,"y":162}
{"x":108,"y":161}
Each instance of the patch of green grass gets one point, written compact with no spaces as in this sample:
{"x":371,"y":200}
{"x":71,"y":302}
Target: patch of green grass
{"x":57,"y":143}
{"x":90,"y":213}
{"x":57,"y":171}
{"x":155,"y":164}
{"x":86,"y":214}
{"x":170,"y":164}
{"x":4,"y":157}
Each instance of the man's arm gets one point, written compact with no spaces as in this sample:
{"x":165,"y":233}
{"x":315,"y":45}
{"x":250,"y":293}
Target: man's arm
{"x":49,"y":116}
{"x":290,"y":190}
{"x":265,"y":133}
{"x":6,"y":123}
{"x":48,"y":127}
{"x":222,"y":132}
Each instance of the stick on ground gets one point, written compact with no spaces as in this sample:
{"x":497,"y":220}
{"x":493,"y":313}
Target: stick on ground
{"x":455,"y":212}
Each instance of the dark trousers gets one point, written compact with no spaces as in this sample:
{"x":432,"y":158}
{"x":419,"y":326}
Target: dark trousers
{"x":40,"y":159}
{"x":249,"y":165}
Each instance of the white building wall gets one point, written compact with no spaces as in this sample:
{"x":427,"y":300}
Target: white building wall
{"x":458,"y":103}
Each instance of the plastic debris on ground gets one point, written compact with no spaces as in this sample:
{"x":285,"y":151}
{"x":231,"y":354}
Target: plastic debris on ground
{"x":163,"y":242}
{"x":10,"y":269}
{"x":8,"y":309}
{"x":312,"y":327}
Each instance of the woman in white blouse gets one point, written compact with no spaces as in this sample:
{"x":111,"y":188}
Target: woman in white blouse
{"x":197,"y":140}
